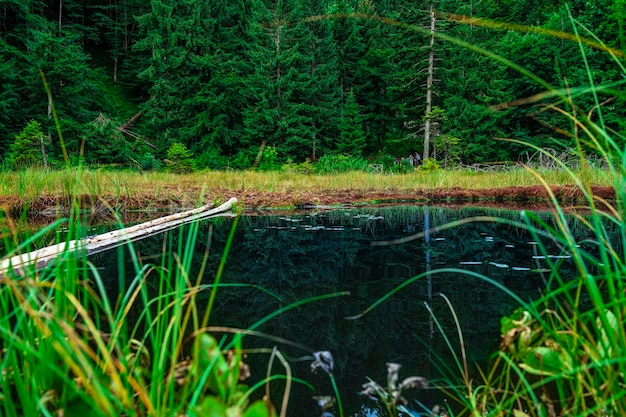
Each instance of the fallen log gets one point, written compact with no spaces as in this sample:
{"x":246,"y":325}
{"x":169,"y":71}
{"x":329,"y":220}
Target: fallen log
{"x":90,"y":245}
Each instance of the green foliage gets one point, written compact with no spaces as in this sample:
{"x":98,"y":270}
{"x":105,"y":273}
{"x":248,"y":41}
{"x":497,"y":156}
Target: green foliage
{"x":211,"y":158}
{"x":179,"y":159}
{"x":104,"y":143}
{"x":334,"y":164}
{"x":269,"y":159}
{"x":351,"y":136}
{"x":228,"y":396}
{"x":403,"y":167}
{"x":244,"y":159}
{"x":447,"y":150}
{"x":148,"y":162}
{"x":305,"y":167}
{"x":429,"y":165}
{"x":217,"y":75}
{"x":28,"y":148}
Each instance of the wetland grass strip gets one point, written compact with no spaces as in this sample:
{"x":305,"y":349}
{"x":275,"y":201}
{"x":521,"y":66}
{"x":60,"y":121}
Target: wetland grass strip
{"x":40,"y":258}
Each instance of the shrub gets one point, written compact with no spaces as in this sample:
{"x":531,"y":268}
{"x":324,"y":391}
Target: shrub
{"x":305,"y":167}
{"x":147,"y":162}
{"x":333,"y":164}
{"x":402,"y":168}
{"x":242,"y":160}
{"x":269,"y":159}
{"x":429,"y":164}
{"x":211,"y":158}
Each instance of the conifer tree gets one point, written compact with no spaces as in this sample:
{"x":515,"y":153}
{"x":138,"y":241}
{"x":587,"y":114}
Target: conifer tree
{"x":281,"y":93}
{"x":351,"y":136}
{"x":179,"y":159}
{"x":176,"y":36}
{"x":226,"y":66}
{"x":29,"y":147}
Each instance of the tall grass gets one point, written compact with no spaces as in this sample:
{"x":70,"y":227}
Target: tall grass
{"x":564,"y":353}
{"x":31,"y":184}
{"x":69,"y":349}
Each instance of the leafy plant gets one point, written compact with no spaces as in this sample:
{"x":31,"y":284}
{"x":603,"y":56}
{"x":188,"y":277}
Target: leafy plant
{"x":391,"y":393}
{"x":402,"y":167}
{"x":269,"y":159}
{"x":429,"y":165}
{"x":448,"y":147}
{"x":305,"y":167}
{"x":211,"y":158}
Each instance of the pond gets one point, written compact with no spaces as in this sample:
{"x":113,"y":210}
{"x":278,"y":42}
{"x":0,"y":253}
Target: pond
{"x":289,"y":258}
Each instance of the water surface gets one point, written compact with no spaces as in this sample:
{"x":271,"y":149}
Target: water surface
{"x":304,"y":255}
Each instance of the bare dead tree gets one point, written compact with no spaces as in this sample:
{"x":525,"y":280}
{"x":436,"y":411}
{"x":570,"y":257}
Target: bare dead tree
{"x":429,"y":84}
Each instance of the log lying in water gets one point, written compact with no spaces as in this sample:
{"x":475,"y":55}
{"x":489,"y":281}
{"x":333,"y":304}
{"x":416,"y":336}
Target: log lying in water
{"x":106,"y":241}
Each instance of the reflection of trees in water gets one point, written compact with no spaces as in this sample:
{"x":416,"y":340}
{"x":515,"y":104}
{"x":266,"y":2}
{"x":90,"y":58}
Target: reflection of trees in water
{"x":315,"y":254}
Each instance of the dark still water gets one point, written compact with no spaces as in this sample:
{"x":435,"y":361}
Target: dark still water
{"x":304,"y":255}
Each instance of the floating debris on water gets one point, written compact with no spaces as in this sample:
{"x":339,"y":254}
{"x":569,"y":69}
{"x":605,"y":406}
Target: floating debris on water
{"x":289,"y":219}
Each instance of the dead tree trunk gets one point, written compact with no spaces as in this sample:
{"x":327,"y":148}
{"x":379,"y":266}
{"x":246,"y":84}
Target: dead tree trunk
{"x":22,"y":264}
{"x":429,"y":85}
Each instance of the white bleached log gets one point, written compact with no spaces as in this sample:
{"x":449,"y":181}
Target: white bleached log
{"x":41,"y":257}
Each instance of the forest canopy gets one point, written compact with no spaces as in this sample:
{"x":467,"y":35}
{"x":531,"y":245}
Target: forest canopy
{"x":129,"y":80}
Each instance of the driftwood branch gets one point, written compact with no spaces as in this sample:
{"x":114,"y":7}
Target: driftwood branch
{"x":90,"y":245}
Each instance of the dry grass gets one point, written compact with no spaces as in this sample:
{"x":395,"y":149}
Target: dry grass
{"x":31,"y":184}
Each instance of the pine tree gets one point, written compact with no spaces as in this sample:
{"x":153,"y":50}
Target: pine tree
{"x":221,"y":93}
{"x":325,"y":94}
{"x":351,"y":136}
{"x":179,"y":159}
{"x":29,"y":148}
{"x":281,"y":108}
{"x":409,"y":78}
{"x":175,"y":35}
{"x":9,"y":96}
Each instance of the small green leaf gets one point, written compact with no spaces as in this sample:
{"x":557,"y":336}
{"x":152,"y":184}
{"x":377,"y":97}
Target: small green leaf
{"x":542,"y":361}
{"x":260,"y":409}
{"x":211,"y":406}
{"x":209,"y":356}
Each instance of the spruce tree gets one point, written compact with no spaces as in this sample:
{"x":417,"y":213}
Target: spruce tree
{"x":221,"y":93}
{"x":179,"y":159}
{"x":281,"y":93}
{"x":29,"y":147}
{"x":351,"y":136}
{"x":175,"y":33}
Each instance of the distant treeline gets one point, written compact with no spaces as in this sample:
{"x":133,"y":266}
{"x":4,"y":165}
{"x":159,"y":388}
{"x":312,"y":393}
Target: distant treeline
{"x":300,"y":79}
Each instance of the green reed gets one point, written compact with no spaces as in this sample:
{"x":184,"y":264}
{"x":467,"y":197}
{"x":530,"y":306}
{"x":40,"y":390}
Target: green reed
{"x":69,"y":349}
{"x":563,"y":353}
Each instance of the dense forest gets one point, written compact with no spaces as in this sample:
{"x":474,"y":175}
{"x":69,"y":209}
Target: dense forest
{"x":127,"y":79}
